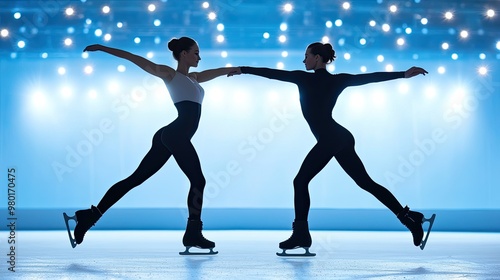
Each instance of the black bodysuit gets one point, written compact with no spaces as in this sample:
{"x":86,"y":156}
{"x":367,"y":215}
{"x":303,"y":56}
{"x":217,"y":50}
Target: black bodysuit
{"x":318,"y":94}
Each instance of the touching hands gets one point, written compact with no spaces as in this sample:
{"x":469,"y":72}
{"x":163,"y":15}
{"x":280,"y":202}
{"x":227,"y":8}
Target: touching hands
{"x":414,"y":71}
{"x":92,"y":48}
{"x":234,"y":71}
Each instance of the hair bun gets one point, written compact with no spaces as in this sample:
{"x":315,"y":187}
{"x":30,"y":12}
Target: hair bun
{"x":173,"y":44}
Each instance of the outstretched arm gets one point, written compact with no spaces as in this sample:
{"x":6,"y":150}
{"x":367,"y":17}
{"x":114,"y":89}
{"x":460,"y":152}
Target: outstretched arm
{"x":275,"y":74}
{"x":161,"y":71}
{"x":208,"y":75}
{"x":362,"y":79}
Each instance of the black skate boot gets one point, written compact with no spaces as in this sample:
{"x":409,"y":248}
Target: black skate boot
{"x":301,"y":238}
{"x":413,"y":221}
{"x":194,"y":238}
{"x":84,"y":219}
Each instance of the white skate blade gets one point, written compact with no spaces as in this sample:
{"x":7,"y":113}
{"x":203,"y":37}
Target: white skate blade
{"x":305,"y":254}
{"x":66,"y":219}
{"x":431,"y":222}
{"x":198,"y":253}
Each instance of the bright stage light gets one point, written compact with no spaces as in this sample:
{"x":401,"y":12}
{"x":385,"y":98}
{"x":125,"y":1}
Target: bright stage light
{"x":389,"y":68}
{"x":363,"y":69}
{"x":150,"y":55}
{"x":464,"y":34}
{"x":386,"y":27}
{"x":106,"y":9}
{"x":151,"y":7}
{"x":482,"y":70}
{"x":61,"y":71}
{"x":44,"y":55}
{"x":284,"y":54}
{"x":98,"y":32}
{"x":21,"y":44}
{"x":325,"y":39}
{"x":330,"y":68}
{"x":346,"y":5}
{"x":88,"y":69}
{"x":362,"y":41}
{"x":107,"y":37}
{"x":38,"y":100}
{"x":372,"y":23}
{"x":70,"y":11}
{"x":482,"y":56}
{"x":157,"y":22}
{"x":205,"y":5}
{"x":393,"y":8}
{"x":338,"y":23}
{"x":85,"y":55}
{"x":4,"y":33}
{"x":347,"y":56}
{"x":408,"y":30}
{"x":220,"y":38}
{"x":212,"y":16}
{"x":282,"y":38}
{"x":441,"y":70}
{"x":220,"y":27}
{"x":121,"y":68}
{"x":68,"y":42}
{"x":266,"y":35}
{"x":445,"y":46}
{"x":448,"y":15}
{"x":380,"y":58}
{"x":137,"y":40}
{"x":280,"y":65}
{"x":17,"y":15}
{"x":490,"y":13}
{"x":400,"y":42}
{"x":288,"y":7}
{"x":424,"y":21}
{"x":223,"y":54}
{"x":283,"y":27}
{"x":498,"y":45}
{"x":329,"y":24}
{"x":454,"y":56}
{"x":119,"y":24}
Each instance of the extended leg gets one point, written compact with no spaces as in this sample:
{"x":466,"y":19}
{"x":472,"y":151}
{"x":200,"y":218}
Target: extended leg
{"x":350,"y":162}
{"x":152,"y":162}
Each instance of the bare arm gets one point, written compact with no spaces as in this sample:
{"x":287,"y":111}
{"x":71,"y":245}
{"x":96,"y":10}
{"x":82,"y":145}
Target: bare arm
{"x":161,"y":71}
{"x":208,"y":75}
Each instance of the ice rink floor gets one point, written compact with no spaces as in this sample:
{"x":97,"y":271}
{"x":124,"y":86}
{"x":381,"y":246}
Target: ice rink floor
{"x":251,"y":255}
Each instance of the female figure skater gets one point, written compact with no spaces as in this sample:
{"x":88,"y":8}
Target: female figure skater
{"x":318,"y":94}
{"x":171,"y":140}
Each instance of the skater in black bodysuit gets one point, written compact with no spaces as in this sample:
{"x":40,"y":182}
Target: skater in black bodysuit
{"x":318,"y":94}
{"x":171,"y":140}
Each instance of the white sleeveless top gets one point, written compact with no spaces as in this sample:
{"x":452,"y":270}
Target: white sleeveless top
{"x":184,"y":88}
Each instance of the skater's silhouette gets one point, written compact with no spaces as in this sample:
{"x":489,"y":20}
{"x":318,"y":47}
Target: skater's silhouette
{"x":318,"y":94}
{"x":171,"y":140}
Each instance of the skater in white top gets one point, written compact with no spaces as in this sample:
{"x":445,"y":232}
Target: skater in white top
{"x":171,"y":140}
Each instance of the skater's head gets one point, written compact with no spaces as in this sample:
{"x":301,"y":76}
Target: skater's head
{"x":185,"y":50}
{"x":318,"y":55}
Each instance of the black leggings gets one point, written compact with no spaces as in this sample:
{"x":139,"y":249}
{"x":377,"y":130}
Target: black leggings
{"x":341,"y":146}
{"x":169,"y":140}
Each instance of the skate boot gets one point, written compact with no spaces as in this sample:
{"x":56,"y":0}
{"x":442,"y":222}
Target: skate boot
{"x":301,"y":238}
{"x":84,"y":219}
{"x":413,"y":221}
{"x":194,"y":238}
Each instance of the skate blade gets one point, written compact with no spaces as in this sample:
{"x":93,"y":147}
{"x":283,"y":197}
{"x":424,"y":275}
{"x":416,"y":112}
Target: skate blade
{"x":66,"y":219}
{"x":305,"y":254}
{"x":189,"y":253}
{"x":431,"y":222}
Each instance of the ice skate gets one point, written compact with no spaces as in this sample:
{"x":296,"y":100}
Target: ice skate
{"x":301,"y":238}
{"x":194,"y":238}
{"x":84,"y":219}
{"x":414,"y":221}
